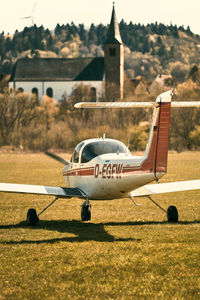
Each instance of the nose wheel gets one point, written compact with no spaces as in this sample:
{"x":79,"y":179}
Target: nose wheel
{"x":86,"y":211}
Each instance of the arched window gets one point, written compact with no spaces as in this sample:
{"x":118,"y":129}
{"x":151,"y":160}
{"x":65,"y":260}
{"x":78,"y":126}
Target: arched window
{"x":35,"y":91}
{"x":93,"y":94}
{"x":20,"y":89}
{"x":50,"y":92}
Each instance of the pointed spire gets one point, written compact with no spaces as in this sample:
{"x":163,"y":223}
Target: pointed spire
{"x":113,"y":36}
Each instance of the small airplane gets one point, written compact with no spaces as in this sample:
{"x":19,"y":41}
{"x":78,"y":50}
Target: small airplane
{"x":104,"y":169}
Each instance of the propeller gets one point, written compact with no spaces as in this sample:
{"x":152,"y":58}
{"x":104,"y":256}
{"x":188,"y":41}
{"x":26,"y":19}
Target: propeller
{"x":58,"y":158}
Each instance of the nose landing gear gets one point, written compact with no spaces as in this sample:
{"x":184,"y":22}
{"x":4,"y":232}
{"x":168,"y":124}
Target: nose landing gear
{"x":86,"y":211}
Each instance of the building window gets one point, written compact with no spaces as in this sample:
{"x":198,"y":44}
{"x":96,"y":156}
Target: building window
{"x":20,"y":89}
{"x":93,"y":94}
{"x":35,"y":91}
{"x":50,"y":92}
{"x":112,"y":51}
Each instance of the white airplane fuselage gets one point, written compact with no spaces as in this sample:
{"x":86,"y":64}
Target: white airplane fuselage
{"x":109,"y":176}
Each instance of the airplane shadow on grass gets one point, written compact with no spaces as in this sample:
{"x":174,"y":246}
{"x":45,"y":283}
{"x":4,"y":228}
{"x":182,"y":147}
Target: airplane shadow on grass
{"x":82,"y":231}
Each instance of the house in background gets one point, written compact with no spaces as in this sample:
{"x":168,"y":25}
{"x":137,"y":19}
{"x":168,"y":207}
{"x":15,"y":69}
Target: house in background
{"x":56,"y":77}
{"x":161,"y":82}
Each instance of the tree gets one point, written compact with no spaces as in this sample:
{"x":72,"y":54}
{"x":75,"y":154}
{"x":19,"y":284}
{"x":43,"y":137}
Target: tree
{"x":146,"y":46}
{"x":184,"y":120}
{"x":195,"y":137}
{"x":138,"y":136}
{"x":195,"y":74}
{"x":162,"y":51}
{"x":92,"y":37}
{"x":17,"y":110}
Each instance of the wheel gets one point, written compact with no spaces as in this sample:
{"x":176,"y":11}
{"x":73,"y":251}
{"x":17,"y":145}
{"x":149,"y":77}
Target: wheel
{"x":89,"y":213}
{"x":172,"y":214}
{"x":32,"y":218}
{"x":86,"y":212}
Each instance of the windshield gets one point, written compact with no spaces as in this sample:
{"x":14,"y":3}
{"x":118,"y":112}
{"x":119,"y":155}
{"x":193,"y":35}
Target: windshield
{"x":102,"y":147}
{"x":75,"y":155}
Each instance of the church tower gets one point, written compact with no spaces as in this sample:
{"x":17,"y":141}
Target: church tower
{"x":114,"y":61}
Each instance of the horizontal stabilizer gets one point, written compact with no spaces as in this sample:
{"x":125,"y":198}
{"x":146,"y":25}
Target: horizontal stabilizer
{"x":41,"y":190}
{"x":114,"y":104}
{"x":133,"y":104}
{"x":169,"y":187}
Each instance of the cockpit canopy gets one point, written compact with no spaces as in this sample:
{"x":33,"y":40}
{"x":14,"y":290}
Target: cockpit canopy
{"x":89,"y":150}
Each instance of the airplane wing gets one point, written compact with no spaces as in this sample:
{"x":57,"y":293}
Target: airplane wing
{"x":60,"y":192}
{"x":169,"y":187}
{"x":133,"y":104}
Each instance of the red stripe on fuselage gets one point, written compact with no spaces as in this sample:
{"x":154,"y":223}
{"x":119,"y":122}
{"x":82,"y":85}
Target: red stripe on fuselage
{"x":80,"y":172}
{"x":90,"y":171}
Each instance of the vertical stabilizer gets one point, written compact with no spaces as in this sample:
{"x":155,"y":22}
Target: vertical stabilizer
{"x":157,"y":148}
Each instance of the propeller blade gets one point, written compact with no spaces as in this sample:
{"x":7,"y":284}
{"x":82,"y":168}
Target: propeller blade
{"x":58,"y":158}
{"x":34,"y":6}
{"x":26,"y":17}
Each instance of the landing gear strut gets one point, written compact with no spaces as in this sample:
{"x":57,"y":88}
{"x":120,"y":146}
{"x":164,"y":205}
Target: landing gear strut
{"x":86,"y":211}
{"x":171,"y":212}
{"x":32,"y":218}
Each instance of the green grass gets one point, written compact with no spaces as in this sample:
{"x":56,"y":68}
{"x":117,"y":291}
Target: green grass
{"x":125,"y":252}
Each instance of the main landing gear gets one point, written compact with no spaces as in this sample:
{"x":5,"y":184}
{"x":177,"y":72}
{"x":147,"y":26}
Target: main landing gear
{"x":171,"y":212}
{"x":32,"y":218}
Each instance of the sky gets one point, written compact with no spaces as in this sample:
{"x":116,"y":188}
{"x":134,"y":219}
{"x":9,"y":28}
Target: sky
{"x":50,"y":12}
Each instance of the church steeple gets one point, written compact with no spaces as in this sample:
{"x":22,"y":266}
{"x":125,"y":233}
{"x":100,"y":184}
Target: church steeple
{"x":113,"y":35}
{"x":114,"y":61}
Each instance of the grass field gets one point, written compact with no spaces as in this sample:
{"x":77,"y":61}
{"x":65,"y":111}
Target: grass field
{"x":125,"y":252}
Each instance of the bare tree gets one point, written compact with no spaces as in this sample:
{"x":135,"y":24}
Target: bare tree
{"x":17,"y":110}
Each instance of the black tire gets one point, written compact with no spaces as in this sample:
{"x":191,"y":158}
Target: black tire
{"x":32,"y":218}
{"x":89,"y":213}
{"x":86,"y":212}
{"x":172,"y":214}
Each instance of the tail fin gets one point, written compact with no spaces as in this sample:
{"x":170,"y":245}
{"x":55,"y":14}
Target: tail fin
{"x":157,"y":148}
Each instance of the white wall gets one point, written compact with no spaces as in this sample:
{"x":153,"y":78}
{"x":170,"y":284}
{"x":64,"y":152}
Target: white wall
{"x":59,"y":87}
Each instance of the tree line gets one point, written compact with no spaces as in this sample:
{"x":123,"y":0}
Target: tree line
{"x":144,"y":39}
{"x":58,"y":126}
